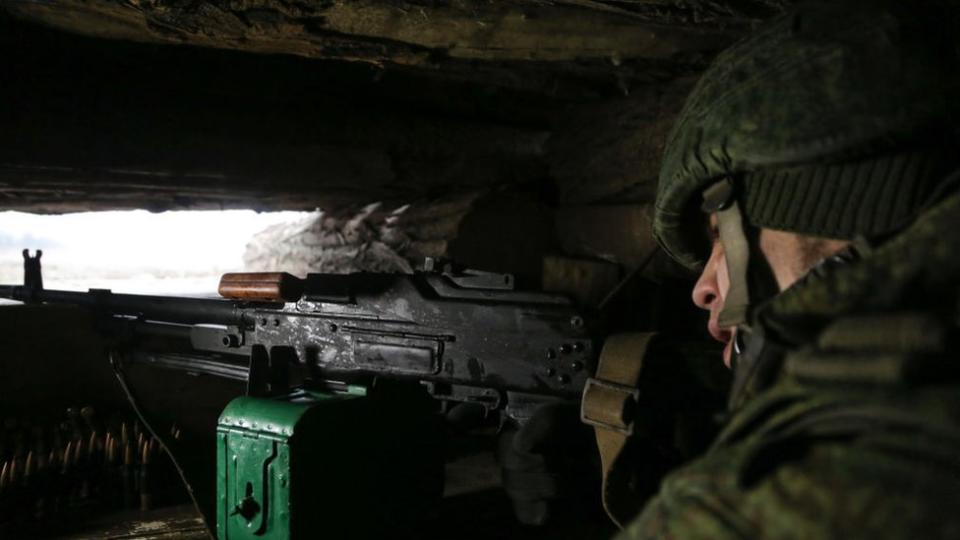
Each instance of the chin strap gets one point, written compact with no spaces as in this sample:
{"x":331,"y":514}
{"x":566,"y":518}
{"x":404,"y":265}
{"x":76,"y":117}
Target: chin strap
{"x":719,"y":199}
{"x":751,"y":282}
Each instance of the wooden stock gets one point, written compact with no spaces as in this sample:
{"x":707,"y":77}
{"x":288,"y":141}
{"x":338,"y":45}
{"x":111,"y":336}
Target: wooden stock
{"x":261,"y":286}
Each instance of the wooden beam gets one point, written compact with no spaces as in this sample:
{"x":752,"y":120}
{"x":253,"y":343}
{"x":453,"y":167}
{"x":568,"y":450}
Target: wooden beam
{"x":620,"y":234}
{"x":411,"y":33}
{"x":610,"y":152}
{"x":92,"y":124}
{"x":479,"y":94}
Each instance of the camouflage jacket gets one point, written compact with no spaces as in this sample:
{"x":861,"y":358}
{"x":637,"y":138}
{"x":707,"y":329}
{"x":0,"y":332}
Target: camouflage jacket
{"x":858,"y":434}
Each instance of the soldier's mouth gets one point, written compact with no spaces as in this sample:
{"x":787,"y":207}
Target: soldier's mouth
{"x":726,"y":336}
{"x":728,"y":350}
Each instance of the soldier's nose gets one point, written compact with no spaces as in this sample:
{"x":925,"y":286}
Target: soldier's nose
{"x":706,"y":291}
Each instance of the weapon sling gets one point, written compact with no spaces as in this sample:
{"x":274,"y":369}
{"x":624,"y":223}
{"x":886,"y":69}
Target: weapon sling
{"x":609,"y":405}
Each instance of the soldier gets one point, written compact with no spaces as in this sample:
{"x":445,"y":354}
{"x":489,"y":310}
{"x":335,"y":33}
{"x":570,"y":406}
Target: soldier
{"x":822,"y":154}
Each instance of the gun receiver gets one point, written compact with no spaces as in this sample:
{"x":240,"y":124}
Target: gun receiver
{"x":467,"y":336}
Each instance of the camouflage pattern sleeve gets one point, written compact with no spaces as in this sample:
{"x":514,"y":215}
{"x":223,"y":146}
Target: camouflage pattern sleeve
{"x":692,"y":504}
{"x":886,"y":485}
{"x":689,"y":521}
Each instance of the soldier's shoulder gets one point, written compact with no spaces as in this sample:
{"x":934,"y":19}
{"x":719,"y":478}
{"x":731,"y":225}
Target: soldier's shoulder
{"x":696,"y":501}
{"x":776,"y":480}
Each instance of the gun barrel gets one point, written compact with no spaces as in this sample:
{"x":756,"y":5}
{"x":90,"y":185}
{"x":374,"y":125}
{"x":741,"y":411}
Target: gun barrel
{"x":153,"y":308}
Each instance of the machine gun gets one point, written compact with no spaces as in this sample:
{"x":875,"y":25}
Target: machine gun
{"x":467,"y":336}
{"x":308,"y":347}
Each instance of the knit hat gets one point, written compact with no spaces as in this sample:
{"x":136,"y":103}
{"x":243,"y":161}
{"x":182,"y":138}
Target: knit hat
{"x":871,"y":196}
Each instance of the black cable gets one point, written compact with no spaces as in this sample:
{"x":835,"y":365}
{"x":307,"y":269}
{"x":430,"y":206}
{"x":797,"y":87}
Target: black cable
{"x":647,"y":259}
{"x":122,"y":379}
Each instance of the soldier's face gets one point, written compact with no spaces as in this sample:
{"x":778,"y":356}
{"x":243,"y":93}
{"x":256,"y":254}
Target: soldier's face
{"x":789,"y":255}
{"x":782,"y":252}
{"x":710,"y":291}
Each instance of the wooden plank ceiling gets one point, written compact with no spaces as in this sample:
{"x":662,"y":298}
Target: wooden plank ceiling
{"x":269,"y":104}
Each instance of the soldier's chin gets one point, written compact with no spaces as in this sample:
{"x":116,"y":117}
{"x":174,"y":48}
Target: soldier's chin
{"x":728,"y":353}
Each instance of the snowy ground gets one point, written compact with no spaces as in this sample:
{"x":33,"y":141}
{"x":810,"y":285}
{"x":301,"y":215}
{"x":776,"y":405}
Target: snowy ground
{"x":135,"y":251}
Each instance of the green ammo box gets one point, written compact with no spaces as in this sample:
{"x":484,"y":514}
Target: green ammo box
{"x":312,"y":465}
{"x":287,"y":467}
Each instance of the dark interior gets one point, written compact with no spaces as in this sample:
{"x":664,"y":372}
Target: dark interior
{"x":537,"y":125}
